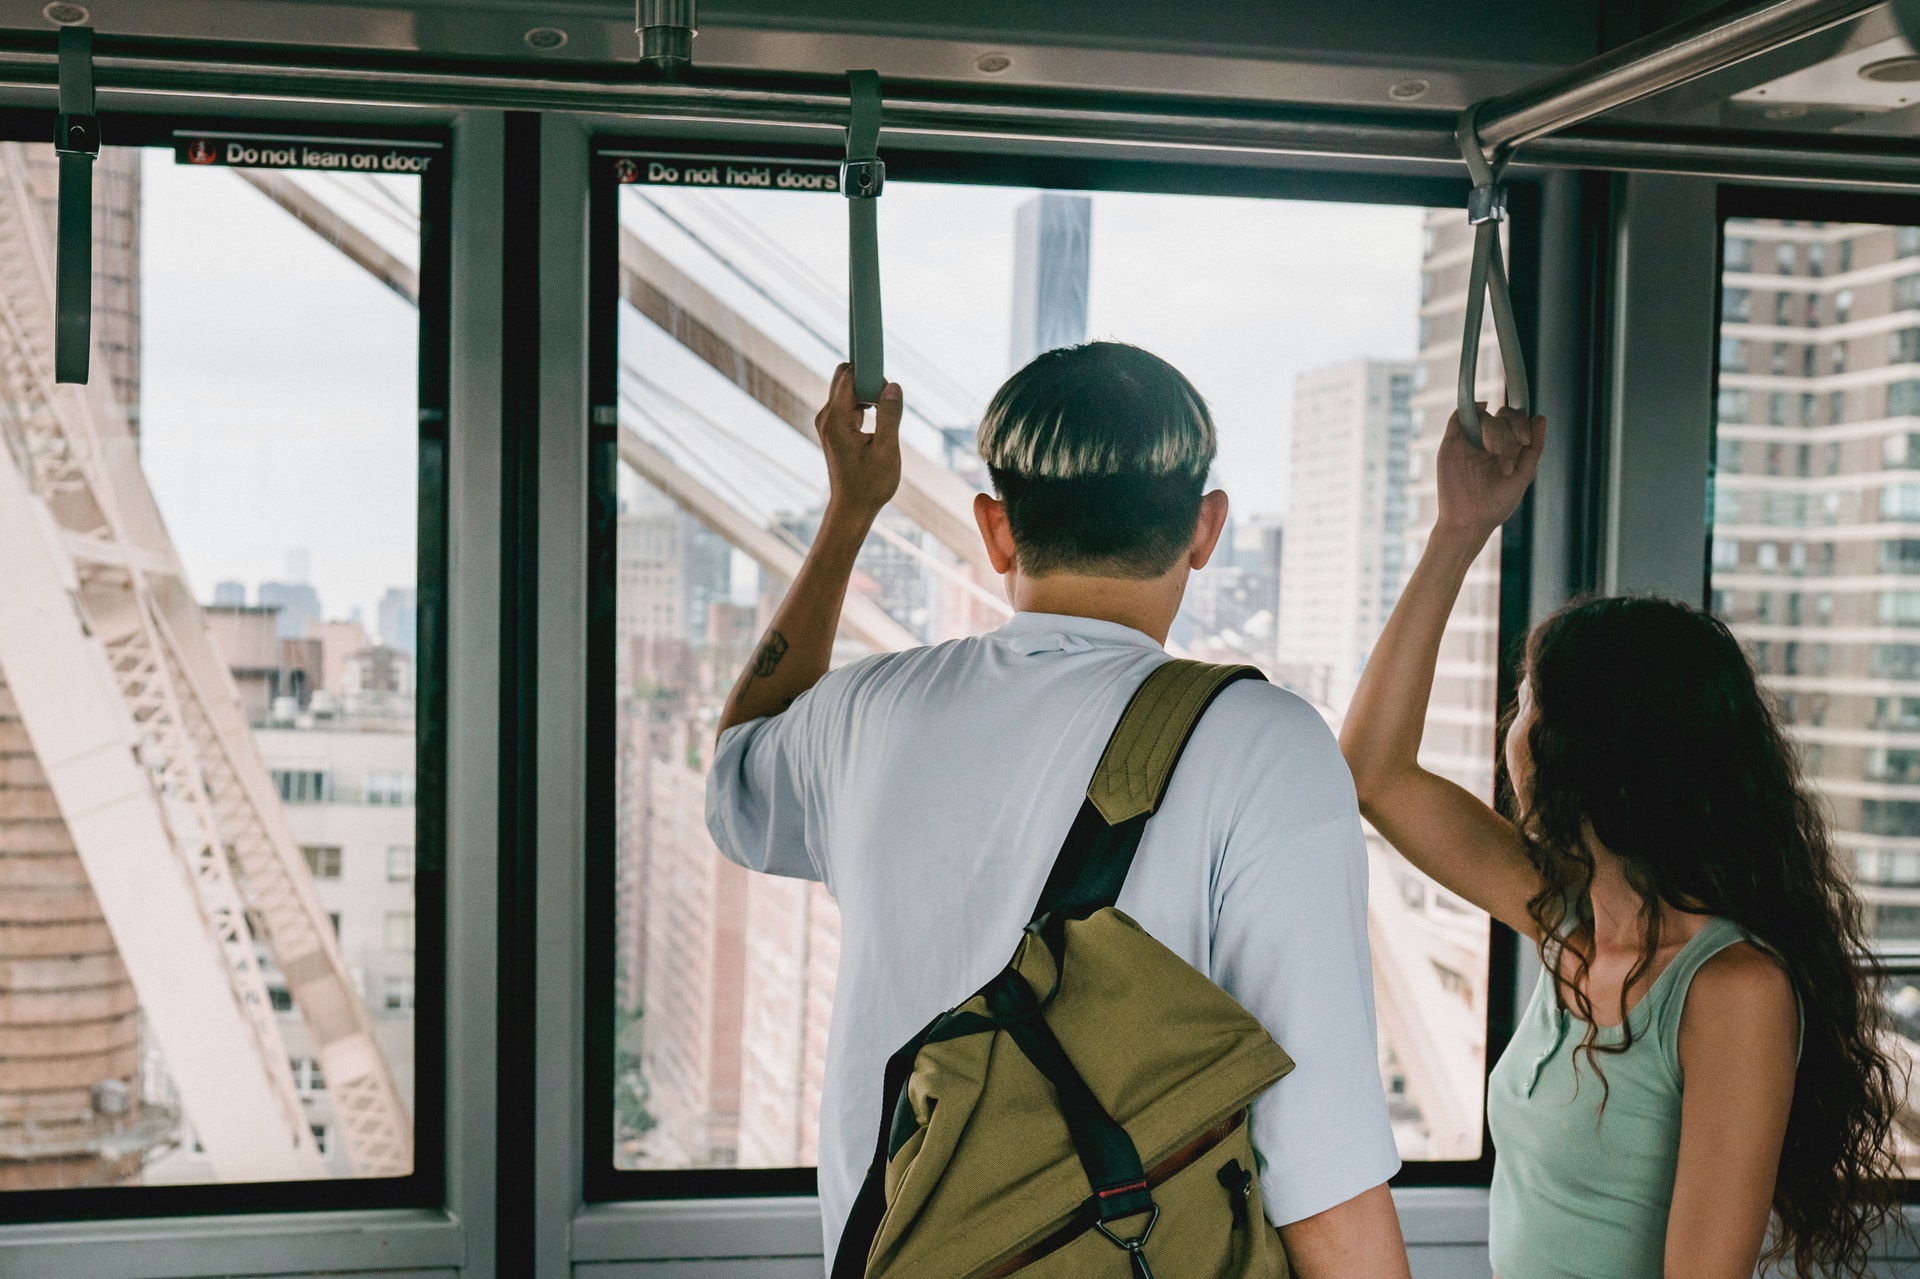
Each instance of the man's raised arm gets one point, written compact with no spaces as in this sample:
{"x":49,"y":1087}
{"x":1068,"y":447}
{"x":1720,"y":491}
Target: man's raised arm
{"x":863,"y":470}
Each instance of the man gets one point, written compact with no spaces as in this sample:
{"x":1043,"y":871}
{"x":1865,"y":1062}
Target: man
{"x":929,"y":790}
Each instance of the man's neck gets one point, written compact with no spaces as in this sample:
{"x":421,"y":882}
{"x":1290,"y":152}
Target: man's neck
{"x":1147,"y":605}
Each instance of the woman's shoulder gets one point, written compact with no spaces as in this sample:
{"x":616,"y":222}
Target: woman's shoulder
{"x":1743,"y":972}
{"x":1740,"y":997}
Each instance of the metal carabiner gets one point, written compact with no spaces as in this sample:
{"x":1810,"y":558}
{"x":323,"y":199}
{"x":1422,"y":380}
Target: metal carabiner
{"x":1134,"y":1247}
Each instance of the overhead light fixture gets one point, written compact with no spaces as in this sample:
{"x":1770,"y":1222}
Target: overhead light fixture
{"x":666,"y":28}
{"x":1862,"y":81}
{"x":1409,"y":90}
{"x":992,"y":63}
{"x":67,"y":15}
{"x":1892,"y":70}
{"x":545,"y":39}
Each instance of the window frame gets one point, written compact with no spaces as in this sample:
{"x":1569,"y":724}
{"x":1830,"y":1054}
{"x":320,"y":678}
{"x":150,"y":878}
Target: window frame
{"x":602,"y":1182}
{"x":426,"y":1185}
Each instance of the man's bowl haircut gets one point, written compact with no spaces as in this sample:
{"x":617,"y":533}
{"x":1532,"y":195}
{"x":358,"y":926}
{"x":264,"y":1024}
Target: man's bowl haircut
{"x":1101,"y":453}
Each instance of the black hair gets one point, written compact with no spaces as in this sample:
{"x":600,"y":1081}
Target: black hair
{"x":1101,"y":453}
{"x":1651,"y":732}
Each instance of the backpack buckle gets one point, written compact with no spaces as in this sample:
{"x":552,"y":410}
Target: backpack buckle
{"x":1132,"y":1247}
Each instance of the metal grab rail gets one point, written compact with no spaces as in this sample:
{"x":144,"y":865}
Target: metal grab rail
{"x":1488,"y":132}
{"x":1654,"y":63}
{"x":1278,"y":130}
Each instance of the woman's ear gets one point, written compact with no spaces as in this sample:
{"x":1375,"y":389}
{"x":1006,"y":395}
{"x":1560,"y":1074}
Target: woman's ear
{"x":1206,"y":534}
{"x":990,"y":513}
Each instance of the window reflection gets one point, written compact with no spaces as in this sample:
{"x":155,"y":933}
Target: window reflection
{"x":1329,"y":422}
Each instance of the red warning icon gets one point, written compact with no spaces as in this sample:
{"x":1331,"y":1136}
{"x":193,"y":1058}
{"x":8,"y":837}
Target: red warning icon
{"x":201,"y":151}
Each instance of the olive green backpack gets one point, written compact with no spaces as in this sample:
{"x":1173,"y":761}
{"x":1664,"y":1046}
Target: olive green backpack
{"x":1085,"y":1113}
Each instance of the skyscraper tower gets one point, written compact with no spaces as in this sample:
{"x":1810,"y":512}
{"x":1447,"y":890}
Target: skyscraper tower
{"x":1052,"y":236}
{"x":1343,"y":562}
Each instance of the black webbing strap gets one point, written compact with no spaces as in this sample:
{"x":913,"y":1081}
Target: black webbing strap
{"x":1092,"y":864}
{"x":77,"y":141}
{"x":1106,"y":1152}
{"x":862,"y":175}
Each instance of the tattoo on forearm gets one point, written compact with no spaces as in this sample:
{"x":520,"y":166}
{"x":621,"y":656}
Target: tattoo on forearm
{"x":767,"y":660}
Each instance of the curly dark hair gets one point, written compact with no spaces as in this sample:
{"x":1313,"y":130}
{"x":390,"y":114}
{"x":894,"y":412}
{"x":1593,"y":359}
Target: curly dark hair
{"x":1651,"y":731}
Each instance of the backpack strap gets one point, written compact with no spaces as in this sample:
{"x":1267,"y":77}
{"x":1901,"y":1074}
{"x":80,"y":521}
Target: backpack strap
{"x":1129,"y":783}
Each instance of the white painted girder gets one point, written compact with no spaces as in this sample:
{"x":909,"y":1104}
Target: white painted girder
{"x":89,"y":749}
{"x":930,"y":495}
{"x":204,"y":767}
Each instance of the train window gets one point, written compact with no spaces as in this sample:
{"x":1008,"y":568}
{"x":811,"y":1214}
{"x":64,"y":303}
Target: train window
{"x":1325,"y":337}
{"x":1841,"y":670}
{"x":212,"y":678}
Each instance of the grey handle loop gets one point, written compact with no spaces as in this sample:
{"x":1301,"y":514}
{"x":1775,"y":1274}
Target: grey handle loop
{"x":77,"y":141}
{"x":862,"y":176}
{"x":1487,"y":281}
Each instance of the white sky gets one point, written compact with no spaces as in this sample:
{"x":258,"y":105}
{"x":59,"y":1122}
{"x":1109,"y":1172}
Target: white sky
{"x":279,"y":391}
{"x":1240,"y":294}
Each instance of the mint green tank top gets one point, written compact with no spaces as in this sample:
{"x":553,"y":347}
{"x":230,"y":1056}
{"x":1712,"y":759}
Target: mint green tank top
{"x":1578,"y":1194}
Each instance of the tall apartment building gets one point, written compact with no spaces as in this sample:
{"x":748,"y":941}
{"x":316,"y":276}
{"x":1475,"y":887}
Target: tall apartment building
{"x":694,"y":984}
{"x":1816,"y":520}
{"x":1343,"y":558}
{"x":1052,"y":244}
{"x":670,"y":569}
{"x":341,"y":753}
{"x":793,"y":963}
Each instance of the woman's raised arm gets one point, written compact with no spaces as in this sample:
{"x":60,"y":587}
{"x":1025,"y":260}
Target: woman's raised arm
{"x":1440,"y":827}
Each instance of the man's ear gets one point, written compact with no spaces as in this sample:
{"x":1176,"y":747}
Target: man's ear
{"x":1206,"y":534}
{"x":990,"y":513}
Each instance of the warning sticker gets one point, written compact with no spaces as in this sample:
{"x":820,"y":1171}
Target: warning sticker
{"x":295,"y":153}
{"x":739,"y":173}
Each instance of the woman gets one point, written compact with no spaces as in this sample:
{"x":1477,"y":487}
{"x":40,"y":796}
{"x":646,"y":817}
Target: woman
{"x":1703,"y":1054}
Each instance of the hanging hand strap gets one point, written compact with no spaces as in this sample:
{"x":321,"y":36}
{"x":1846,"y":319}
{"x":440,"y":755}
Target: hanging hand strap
{"x":862,"y":175}
{"x":1486,"y":210}
{"x":77,"y":141}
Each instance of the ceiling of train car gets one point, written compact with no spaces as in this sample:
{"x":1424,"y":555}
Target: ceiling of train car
{"x":1410,"y":53}
{"x":1859,"y":78}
